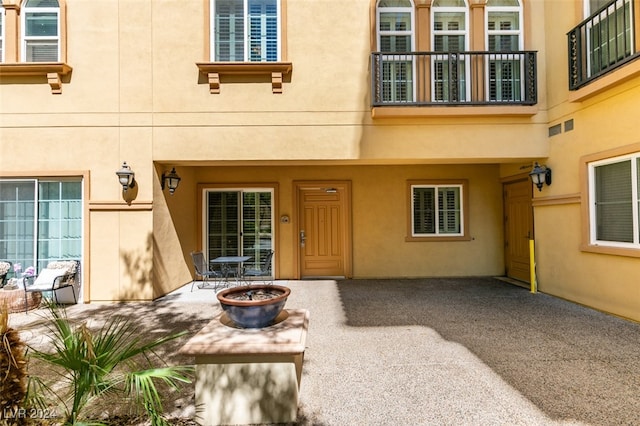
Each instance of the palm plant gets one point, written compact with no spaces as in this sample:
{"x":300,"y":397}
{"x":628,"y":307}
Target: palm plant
{"x":13,"y":367}
{"x":110,"y":361}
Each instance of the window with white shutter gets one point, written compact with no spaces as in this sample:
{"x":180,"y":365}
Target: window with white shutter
{"x":450,"y":36}
{"x":245,"y":30}
{"x":396,"y":41}
{"x":504,"y":35}
{"x":41,"y":31}
{"x":615,"y":201}
{"x":437,"y":210}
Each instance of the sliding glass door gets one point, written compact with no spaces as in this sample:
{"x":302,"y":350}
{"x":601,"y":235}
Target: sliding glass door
{"x":40,"y":221}
{"x":239,"y":222}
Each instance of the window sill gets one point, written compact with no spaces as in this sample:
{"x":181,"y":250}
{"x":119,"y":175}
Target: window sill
{"x":52,"y":71}
{"x":457,"y":111}
{"x":215,"y":70}
{"x":437,"y":239}
{"x":606,"y":82}
{"x":615,"y":251}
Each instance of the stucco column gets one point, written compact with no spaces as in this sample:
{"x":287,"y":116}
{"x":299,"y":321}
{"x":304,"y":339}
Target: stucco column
{"x":11,"y":34}
{"x":423,"y":26}
{"x":477,"y":39}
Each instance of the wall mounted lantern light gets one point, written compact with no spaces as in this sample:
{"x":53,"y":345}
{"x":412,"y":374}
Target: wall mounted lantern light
{"x":540,"y":175}
{"x":171,"y":180}
{"x":126,"y":176}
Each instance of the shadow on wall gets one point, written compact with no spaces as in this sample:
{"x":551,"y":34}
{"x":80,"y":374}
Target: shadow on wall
{"x":138,"y":268}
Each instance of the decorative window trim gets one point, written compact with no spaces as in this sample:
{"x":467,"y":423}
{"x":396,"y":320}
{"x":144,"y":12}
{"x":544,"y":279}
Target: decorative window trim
{"x":26,"y":39}
{"x":54,"y":73}
{"x":464,"y":210}
{"x":588,"y":243}
{"x":278,"y":71}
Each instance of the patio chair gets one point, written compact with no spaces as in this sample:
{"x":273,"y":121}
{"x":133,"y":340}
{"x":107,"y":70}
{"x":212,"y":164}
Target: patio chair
{"x":204,"y":271}
{"x":5,"y":268}
{"x":264,"y":271}
{"x":56,"y":276}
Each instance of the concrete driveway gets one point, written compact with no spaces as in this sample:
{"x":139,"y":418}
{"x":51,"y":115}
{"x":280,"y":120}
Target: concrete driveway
{"x":471,"y":351}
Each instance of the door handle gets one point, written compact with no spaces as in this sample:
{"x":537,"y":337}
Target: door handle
{"x":303,"y":238}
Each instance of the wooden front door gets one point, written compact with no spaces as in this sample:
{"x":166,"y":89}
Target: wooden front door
{"x":324,"y":228}
{"x":518,"y":228}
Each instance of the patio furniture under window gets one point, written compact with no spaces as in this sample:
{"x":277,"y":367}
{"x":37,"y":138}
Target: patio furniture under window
{"x":264,"y":271}
{"x":205,"y":272}
{"x":56,"y":276}
{"x":5,"y":267}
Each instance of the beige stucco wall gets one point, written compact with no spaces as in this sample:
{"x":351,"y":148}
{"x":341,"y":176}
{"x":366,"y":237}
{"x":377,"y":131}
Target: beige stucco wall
{"x":601,"y":122}
{"x":135,"y":95}
{"x":380,"y":204}
{"x":604,"y":281}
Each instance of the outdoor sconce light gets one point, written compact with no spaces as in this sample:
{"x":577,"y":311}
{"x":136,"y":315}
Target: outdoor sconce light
{"x":126,"y":176}
{"x":171,"y":180}
{"x":540,"y":175}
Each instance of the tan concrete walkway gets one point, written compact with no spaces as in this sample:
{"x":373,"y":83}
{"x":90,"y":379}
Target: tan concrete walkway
{"x":473,"y":351}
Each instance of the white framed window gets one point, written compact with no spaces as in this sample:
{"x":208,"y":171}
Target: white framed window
{"x":40,"y":220}
{"x":396,"y":40}
{"x":614,"y":201}
{"x":610,"y":33}
{"x":41,"y":31}
{"x":504,"y":25}
{"x":503,"y":35}
{"x":437,"y":210}
{"x":450,"y":34}
{"x":245,"y":30}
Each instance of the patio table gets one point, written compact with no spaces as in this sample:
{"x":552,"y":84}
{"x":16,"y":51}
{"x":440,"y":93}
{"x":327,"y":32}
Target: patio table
{"x":232,"y":260}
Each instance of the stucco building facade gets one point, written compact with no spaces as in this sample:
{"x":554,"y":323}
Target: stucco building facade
{"x":357,"y":139}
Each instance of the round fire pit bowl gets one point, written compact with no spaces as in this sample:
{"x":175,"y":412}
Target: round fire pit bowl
{"x":253,"y":306}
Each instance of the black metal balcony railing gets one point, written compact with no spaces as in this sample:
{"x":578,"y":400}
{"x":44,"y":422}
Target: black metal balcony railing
{"x":601,"y":43}
{"x":453,"y":78}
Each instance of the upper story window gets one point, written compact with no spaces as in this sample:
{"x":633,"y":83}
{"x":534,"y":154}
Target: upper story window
{"x":245,"y":30}
{"x":396,"y":35}
{"x":41,"y":31}
{"x":614,"y":209}
{"x":395,"y":26}
{"x":451,"y":53}
{"x":248,"y":38}
{"x":610,"y":31}
{"x":32,"y":42}
{"x":603,"y":41}
{"x":504,"y":34}
{"x":504,"y":26}
{"x":450,"y":26}
{"x":450,"y":75}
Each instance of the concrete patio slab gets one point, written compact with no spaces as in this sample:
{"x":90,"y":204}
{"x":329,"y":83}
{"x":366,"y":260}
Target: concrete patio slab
{"x":471,"y":351}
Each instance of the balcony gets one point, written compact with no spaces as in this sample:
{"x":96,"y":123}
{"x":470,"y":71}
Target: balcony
{"x":421,"y":79}
{"x":601,"y":43}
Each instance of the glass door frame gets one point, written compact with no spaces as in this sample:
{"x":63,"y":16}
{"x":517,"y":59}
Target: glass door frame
{"x":206,"y":189}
